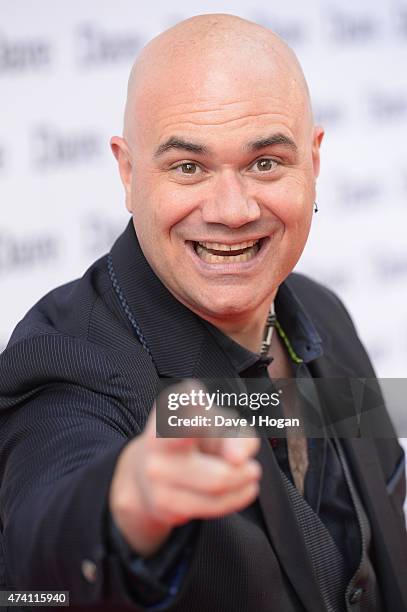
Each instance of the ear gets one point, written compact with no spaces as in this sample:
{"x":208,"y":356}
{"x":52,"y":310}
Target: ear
{"x":122,"y":153}
{"x":316,"y":143}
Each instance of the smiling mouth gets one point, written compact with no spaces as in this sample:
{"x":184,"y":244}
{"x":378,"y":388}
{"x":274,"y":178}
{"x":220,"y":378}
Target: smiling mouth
{"x":218,"y":253}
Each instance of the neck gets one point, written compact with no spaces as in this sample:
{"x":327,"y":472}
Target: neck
{"x":246,"y":330}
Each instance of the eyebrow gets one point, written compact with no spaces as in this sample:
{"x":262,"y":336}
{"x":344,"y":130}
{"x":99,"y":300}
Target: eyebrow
{"x":269,"y":141}
{"x":179,"y":144}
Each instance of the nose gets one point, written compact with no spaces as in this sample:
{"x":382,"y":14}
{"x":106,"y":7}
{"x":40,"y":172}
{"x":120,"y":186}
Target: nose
{"x":229,"y":203}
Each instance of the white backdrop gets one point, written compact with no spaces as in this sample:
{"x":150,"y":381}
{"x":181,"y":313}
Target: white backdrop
{"x":63,"y":77}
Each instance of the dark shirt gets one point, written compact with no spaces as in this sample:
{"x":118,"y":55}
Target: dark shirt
{"x":155,"y":581}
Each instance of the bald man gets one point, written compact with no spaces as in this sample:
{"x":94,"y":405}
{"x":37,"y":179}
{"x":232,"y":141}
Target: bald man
{"x":219,"y":159}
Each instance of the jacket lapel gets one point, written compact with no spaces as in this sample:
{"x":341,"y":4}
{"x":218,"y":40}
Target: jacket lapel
{"x":179,"y":342}
{"x":285,"y":534}
{"x":390,"y":549}
{"x":362,"y":455}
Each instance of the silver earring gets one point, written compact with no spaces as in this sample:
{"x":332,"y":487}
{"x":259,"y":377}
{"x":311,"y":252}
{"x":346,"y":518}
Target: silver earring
{"x":315,"y":207}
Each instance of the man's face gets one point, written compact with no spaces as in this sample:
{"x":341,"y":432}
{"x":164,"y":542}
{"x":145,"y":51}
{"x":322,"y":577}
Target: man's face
{"x":221,"y":187}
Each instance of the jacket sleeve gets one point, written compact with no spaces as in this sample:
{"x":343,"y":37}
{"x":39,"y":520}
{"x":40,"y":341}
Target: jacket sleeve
{"x":155,"y":581}
{"x":58,"y":453}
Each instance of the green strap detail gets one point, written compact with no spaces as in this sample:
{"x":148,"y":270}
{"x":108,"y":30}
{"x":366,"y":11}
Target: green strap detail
{"x":286,"y":341}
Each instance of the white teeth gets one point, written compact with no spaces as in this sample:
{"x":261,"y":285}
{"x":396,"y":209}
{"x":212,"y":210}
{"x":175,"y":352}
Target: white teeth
{"x":217,"y":246}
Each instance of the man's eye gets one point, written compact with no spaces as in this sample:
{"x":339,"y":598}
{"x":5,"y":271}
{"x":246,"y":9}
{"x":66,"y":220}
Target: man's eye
{"x":188,"y":168}
{"x":264,"y":165}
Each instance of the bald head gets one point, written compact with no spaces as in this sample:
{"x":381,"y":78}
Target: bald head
{"x":210,"y":57}
{"x":219,"y":148}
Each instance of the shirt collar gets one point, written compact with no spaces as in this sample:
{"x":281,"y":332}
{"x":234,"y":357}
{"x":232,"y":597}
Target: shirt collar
{"x":294,"y":325}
